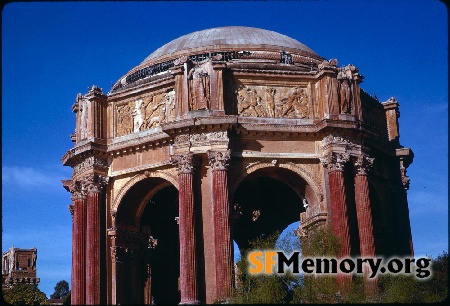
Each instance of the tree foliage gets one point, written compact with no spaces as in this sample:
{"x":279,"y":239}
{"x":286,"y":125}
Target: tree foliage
{"x":301,"y":289}
{"x":25,"y":294}
{"x":66,"y":300}
{"x":61,"y":290}
{"x":262,"y":289}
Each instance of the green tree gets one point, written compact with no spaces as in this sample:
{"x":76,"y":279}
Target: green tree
{"x":61,"y":290}
{"x":263,"y":289}
{"x":66,"y":300}
{"x":25,"y":294}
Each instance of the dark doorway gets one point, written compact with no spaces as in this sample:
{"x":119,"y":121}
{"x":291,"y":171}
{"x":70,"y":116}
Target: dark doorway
{"x":266,"y":205}
{"x":159,"y":215}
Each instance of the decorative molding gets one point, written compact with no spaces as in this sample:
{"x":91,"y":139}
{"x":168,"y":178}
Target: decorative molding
{"x":137,"y":178}
{"x":210,"y":137}
{"x":219,"y":160}
{"x":78,"y":190}
{"x":94,"y":183}
{"x":185,"y":163}
{"x":335,"y":161}
{"x":363,"y":164}
{"x":92,"y":162}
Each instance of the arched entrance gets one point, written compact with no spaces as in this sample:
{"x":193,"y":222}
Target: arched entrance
{"x":148,"y":236}
{"x":267,"y":200}
{"x":159,"y":219}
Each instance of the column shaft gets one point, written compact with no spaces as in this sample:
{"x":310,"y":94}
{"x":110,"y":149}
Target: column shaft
{"x":222,"y":234}
{"x":339,"y":222}
{"x":79,"y":253}
{"x":364,"y":215}
{"x":339,"y":217}
{"x":365,"y":229}
{"x":93,"y":237}
{"x":188,"y":264}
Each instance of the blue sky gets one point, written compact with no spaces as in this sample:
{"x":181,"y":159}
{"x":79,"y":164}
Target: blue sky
{"x":52,"y":51}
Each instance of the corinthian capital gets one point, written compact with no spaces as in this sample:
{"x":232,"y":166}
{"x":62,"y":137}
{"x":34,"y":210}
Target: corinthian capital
{"x":218,"y":160}
{"x":185,"y":163}
{"x":95,"y":183}
{"x":335,"y":161}
{"x":78,"y":190}
{"x":363,"y":164}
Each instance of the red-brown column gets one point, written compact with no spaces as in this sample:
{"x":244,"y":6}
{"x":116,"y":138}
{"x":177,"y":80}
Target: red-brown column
{"x":364,"y":216}
{"x":78,"y":296}
{"x":93,"y":240}
{"x":188,"y":265}
{"x":222,"y":235}
{"x":117,"y":258}
{"x":339,"y":219}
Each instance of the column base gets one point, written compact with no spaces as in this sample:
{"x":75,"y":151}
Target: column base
{"x":195,"y":302}
{"x":223,"y":301}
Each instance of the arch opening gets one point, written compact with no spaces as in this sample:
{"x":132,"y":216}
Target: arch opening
{"x":159,"y":220}
{"x":267,"y":201}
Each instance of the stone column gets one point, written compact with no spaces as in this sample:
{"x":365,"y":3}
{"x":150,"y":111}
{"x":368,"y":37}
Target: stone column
{"x":338,"y":200}
{"x":218,"y":160}
{"x":78,"y":296}
{"x":364,"y":215}
{"x":188,"y":266}
{"x":94,"y":185}
{"x":117,"y":258}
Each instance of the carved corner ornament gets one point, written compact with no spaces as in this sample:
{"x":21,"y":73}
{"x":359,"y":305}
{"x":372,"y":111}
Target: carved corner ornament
{"x":405,"y":181}
{"x":219,"y":160}
{"x":78,"y":190}
{"x":95,"y":183}
{"x":71,"y":210}
{"x":185,"y":163}
{"x":335,"y":161}
{"x":363,"y":164}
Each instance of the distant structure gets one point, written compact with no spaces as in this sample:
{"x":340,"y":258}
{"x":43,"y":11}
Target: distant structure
{"x":227,"y":134}
{"x":19,"y":267}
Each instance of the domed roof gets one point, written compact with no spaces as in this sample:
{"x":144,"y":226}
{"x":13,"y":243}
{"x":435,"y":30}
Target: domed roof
{"x":232,"y":36}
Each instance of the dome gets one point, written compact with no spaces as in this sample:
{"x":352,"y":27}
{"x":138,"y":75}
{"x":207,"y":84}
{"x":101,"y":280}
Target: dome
{"x":222,"y":38}
{"x":235,"y":40}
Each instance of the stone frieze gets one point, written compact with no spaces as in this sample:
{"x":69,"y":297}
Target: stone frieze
{"x":272,"y":101}
{"x":145,"y":112}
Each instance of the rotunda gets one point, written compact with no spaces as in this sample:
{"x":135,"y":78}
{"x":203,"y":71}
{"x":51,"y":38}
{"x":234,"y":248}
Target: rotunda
{"x":222,"y":135}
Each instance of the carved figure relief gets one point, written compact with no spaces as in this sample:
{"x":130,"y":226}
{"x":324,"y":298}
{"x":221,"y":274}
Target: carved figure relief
{"x":332,"y":95}
{"x":346,"y":77}
{"x":295,"y":105}
{"x":83,"y":118}
{"x":270,"y":96}
{"x":137,"y":116}
{"x":199,"y":89}
{"x":154,"y":112}
{"x":249,"y":102}
{"x":280,"y":102}
{"x":345,"y":97}
{"x":124,"y":124}
{"x":145,"y":113}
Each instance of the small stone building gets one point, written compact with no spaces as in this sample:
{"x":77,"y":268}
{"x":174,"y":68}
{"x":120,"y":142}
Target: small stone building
{"x":19,"y":267}
{"x":220,"y":135}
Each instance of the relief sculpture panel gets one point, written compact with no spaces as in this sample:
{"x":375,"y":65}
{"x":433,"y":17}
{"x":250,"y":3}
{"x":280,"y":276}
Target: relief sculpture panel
{"x":272,"y":101}
{"x":145,"y":112}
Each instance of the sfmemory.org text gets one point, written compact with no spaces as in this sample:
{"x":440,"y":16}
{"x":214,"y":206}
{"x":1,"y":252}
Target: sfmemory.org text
{"x":269,"y":262}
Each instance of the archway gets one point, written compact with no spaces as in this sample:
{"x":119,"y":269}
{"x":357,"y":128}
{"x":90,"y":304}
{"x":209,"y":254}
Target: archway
{"x":147,"y":215}
{"x":267,"y":200}
{"x":159,"y":219}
